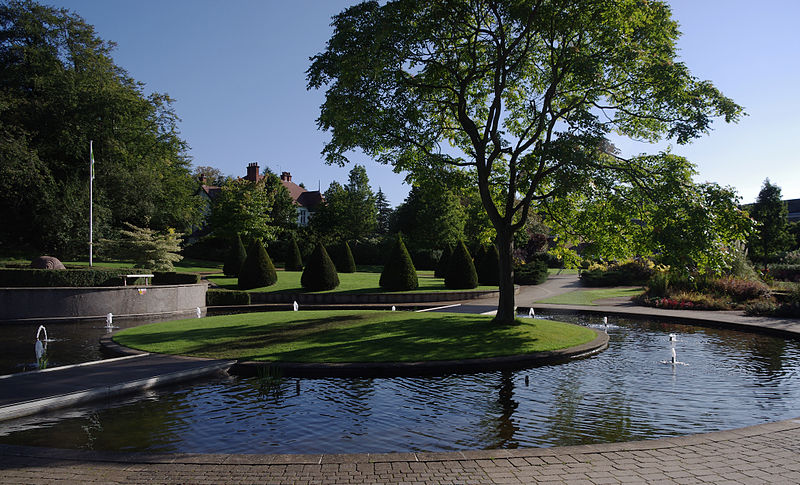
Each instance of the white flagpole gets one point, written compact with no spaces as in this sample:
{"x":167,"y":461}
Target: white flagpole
{"x":91,"y":179}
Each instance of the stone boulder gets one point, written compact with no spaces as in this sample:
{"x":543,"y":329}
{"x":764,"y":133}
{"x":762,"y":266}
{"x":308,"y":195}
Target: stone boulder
{"x":47,"y":262}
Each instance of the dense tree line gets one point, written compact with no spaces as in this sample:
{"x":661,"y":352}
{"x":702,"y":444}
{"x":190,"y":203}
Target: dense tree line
{"x":59,"y":89}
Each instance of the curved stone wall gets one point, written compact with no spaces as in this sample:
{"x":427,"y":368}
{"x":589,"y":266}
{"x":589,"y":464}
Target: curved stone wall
{"x":25,"y":304}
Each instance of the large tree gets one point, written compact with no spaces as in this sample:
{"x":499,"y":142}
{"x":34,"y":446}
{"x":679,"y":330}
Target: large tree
{"x":59,"y":88}
{"x":431,"y":217}
{"x":349,"y":212}
{"x":523,"y":92}
{"x":772,"y":231}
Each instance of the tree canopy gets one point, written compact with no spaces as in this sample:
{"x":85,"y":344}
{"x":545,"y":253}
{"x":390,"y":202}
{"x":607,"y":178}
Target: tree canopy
{"x":59,"y":88}
{"x":349,"y":212}
{"x":770,"y":213}
{"x":514,"y":97}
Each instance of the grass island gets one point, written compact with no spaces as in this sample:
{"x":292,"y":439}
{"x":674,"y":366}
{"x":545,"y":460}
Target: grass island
{"x":352,"y":336}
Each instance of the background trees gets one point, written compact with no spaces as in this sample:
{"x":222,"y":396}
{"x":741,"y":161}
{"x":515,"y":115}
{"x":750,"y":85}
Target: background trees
{"x":771,"y":235}
{"x":59,"y":88}
{"x":348,"y":213}
{"x":431,"y":217}
{"x":524,"y":93}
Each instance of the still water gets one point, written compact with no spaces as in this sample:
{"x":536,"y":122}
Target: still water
{"x":731,"y":379}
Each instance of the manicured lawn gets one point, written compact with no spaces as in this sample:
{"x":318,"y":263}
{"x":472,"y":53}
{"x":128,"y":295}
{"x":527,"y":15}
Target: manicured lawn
{"x":289,"y":282}
{"x":554,"y":271}
{"x":351,"y":336}
{"x":588,"y":297}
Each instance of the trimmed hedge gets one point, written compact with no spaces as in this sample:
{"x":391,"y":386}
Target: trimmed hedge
{"x":227,"y":297}
{"x":173,"y":278}
{"x":489,"y":268}
{"x":626,"y":274}
{"x":320,"y":273}
{"x":344,"y":259}
{"x":444,"y":260}
{"x":461,"y":274}
{"x":293,"y":260}
{"x":533,"y":273}
{"x":82,"y":278}
{"x":785,"y":272}
{"x":235,"y":257}
{"x":257,"y":270}
{"x":36,"y":278}
{"x":399,"y":273}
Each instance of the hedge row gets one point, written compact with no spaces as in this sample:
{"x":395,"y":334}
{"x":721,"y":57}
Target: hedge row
{"x":172,"y":278}
{"x":12,"y":277}
{"x":785,"y":272}
{"x":533,"y":273}
{"x":49,"y":278}
{"x":227,"y":297}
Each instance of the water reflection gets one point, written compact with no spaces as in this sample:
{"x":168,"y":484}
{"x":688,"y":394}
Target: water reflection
{"x":732,"y":380}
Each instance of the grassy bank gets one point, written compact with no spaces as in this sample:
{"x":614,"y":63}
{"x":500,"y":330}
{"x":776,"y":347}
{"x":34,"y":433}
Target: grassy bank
{"x":351,"y":336}
{"x":589,"y":297}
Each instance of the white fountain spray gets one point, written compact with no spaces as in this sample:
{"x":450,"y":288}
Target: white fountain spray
{"x":295,"y":306}
{"x":532,"y":313}
{"x":393,"y":308}
{"x":39,"y":348}
{"x":605,"y":324}
{"x":199,"y":313}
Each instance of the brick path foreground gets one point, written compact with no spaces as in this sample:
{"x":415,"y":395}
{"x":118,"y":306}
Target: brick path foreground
{"x":766,"y":454}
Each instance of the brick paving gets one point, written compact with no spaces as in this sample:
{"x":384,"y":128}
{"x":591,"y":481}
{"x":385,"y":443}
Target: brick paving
{"x":763,"y":454}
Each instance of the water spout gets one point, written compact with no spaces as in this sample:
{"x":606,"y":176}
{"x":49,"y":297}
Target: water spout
{"x":674,"y":356}
{"x":40,"y":348}
{"x":295,"y":306}
{"x":532,"y":313}
{"x":199,"y":313}
{"x":393,"y":308}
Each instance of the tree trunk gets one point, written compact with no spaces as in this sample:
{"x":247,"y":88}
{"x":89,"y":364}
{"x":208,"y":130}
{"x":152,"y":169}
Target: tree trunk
{"x":506,"y":309}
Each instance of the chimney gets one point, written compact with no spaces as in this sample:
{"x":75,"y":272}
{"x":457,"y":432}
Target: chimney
{"x":252,"y":172}
{"x":286,"y":176}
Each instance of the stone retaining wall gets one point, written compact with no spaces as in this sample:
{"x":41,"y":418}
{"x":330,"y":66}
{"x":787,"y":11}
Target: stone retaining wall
{"x":25,"y":304}
{"x":369,"y":298}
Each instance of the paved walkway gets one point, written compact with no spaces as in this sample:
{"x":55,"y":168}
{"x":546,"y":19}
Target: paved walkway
{"x":28,"y":393}
{"x":768,"y":453}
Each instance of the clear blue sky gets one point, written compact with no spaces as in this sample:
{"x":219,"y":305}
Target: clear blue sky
{"x":237,"y":72}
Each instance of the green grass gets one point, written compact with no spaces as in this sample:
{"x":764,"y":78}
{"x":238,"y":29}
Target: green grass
{"x":588,"y":297}
{"x":553,"y":271}
{"x":289,"y":282}
{"x":351,"y":336}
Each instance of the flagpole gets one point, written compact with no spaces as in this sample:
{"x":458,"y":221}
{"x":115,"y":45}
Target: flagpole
{"x":91,"y":179}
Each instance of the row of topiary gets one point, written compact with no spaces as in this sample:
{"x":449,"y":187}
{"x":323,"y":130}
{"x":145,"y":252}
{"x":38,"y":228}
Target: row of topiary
{"x":256,"y":270}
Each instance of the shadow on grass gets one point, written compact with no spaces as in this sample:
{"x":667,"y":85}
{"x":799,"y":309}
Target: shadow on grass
{"x":350,"y":337}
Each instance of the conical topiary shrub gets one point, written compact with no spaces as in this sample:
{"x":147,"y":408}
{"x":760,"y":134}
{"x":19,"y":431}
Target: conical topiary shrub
{"x":489,"y":270}
{"x":234,"y":259}
{"x":444,"y":259}
{"x":399,"y":273}
{"x":320,"y":273}
{"x":257,"y":269}
{"x":461,"y":273}
{"x":294,"y":261}
{"x":344,"y":259}
{"x":477,"y":258}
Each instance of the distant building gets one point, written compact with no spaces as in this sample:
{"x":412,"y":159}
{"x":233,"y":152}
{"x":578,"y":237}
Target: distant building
{"x":793,"y":206}
{"x":305,"y":200}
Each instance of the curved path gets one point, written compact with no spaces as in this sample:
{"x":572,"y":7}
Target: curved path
{"x":767,"y":453}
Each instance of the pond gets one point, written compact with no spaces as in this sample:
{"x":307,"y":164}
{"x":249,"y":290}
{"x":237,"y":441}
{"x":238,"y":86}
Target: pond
{"x":731,"y":379}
